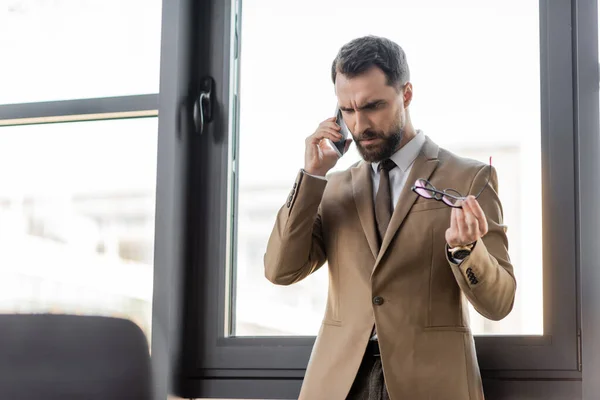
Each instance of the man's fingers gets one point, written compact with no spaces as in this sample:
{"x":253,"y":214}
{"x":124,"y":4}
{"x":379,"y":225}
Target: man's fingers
{"x":479,"y":214}
{"x":452,"y":231}
{"x":327,"y":146}
{"x":454,"y":219}
{"x":330,"y":124}
{"x":467,"y":224}
{"x":324,"y":134}
{"x":470,"y":218}
{"x":463,"y":228}
{"x":323,"y":144}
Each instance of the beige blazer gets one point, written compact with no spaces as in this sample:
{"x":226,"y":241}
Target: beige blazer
{"x":426,"y":344}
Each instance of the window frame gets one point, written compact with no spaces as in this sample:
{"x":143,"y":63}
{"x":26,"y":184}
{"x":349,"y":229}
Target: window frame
{"x":92,"y":109}
{"x":206,"y":361}
{"x":586,"y":64}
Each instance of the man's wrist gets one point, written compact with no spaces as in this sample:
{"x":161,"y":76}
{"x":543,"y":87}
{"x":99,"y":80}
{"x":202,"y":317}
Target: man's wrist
{"x":315,"y":174}
{"x":450,"y":246}
{"x":460,"y":252}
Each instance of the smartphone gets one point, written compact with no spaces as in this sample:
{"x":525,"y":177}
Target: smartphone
{"x":340,"y":146}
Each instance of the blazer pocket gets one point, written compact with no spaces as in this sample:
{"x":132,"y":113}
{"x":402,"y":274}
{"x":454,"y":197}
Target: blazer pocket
{"x":427,"y":205}
{"x":449,"y":328}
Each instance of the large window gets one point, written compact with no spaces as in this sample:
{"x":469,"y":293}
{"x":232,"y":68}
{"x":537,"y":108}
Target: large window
{"x":476,"y":93}
{"x":68,"y":49}
{"x":77,"y":172}
{"x":77,"y":218}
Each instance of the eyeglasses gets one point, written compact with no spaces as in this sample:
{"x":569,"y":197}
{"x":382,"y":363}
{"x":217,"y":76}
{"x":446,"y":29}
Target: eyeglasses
{"x":450,"y":197}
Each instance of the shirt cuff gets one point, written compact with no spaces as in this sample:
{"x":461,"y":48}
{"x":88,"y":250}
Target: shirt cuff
{"x":455,"y":261}
{"x":314,"y":176}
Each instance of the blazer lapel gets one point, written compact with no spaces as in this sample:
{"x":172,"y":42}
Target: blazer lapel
{"x":424,"y":165}
{"x":362,"y":189}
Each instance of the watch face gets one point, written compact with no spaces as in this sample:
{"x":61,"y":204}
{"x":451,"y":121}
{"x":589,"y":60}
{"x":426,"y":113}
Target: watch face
{"x":460,"y":254}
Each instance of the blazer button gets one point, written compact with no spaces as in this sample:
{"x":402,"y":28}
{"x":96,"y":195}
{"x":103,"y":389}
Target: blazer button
{"x":377,"y":300}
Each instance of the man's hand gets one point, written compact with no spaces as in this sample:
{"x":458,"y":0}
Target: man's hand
{"x":320,"y":156}
{"x":467,"y":224}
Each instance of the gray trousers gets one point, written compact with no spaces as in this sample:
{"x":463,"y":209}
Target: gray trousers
{"x":369,"y":383}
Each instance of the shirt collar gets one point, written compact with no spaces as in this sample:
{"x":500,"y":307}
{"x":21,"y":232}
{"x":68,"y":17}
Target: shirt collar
{"x":407,"y":154}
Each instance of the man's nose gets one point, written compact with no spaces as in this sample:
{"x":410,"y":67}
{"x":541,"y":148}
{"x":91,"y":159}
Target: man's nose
{"x":361,"y":123}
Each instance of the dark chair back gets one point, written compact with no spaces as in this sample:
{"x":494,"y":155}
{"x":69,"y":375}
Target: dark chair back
{"x":64,"y":357}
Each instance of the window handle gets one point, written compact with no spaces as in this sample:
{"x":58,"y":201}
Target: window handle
{"x":204,"y":104}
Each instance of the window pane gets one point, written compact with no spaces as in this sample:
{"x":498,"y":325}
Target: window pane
{"x":69,"y":49}
{"x":476,"y":93}
{"x":77,"y":218}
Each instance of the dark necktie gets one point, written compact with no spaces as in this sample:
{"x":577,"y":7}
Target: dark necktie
{"x":383,"y":199}
{"x":383,"y":205}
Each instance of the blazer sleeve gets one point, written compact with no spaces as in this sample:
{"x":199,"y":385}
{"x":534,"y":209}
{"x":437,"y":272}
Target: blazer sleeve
{"x":486,"y":276}
{"x":296,"y":248}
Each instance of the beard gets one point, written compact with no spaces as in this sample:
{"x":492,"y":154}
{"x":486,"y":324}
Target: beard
{"x":383,"y":148}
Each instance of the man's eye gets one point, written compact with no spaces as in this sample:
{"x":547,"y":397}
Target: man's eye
{"x":372,"y":106}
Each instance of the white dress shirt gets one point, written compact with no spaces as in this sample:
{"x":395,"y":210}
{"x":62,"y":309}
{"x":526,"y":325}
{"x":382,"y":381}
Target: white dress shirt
{"x":404,"y":159}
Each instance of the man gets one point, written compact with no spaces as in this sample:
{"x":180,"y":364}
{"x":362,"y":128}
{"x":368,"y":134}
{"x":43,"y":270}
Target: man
{"x":401,"y":264}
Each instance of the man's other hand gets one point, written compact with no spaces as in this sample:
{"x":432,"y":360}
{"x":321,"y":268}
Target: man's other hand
{"x":467,"y":224}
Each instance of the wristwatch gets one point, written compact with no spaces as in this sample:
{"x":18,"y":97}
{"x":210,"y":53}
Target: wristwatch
{"x":461,"y":252}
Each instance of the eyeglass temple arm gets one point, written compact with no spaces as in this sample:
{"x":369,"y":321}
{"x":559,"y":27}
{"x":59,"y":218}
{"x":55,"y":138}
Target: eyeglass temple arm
{"x":487,"y":181}
{"x":414,"y":188}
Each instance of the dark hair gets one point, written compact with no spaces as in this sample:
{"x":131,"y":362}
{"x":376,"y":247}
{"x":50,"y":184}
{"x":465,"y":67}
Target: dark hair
{"x":361,"y":54}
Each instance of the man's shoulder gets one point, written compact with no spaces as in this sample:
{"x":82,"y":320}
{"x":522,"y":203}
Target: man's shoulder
{"x":448,"y":159}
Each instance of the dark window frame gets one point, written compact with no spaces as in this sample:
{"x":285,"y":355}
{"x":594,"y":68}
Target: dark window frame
{"x":77,"y":110}
{"x":587,"y":124}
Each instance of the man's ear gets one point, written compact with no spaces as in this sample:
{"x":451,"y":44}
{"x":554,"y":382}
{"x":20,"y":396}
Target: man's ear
{"x":407,"y":93}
